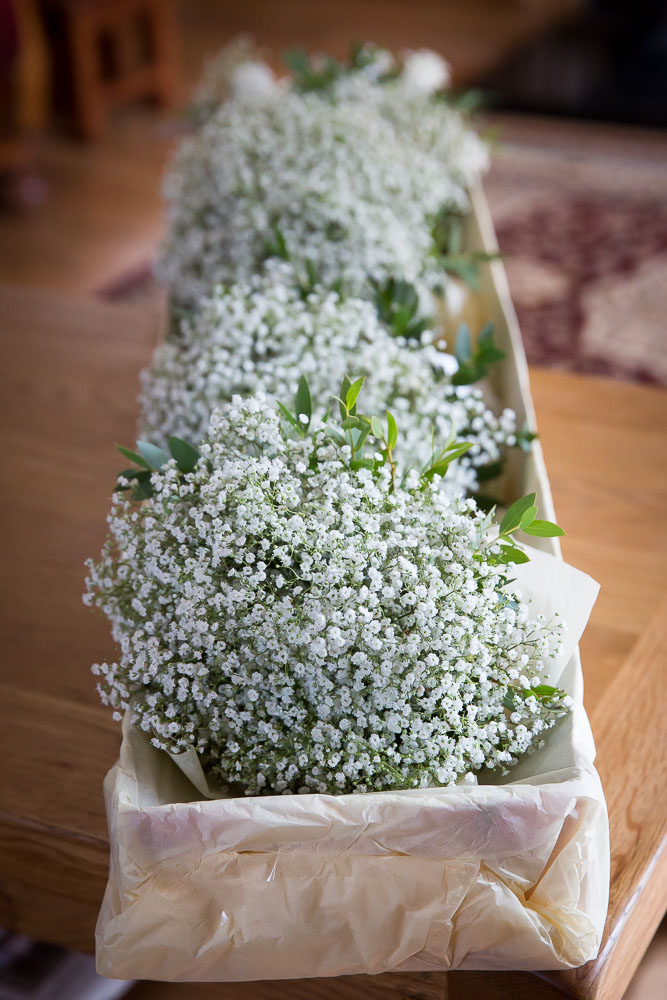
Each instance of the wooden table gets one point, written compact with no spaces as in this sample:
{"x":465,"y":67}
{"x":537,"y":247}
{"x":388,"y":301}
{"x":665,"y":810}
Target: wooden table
{"x":70,"y":368}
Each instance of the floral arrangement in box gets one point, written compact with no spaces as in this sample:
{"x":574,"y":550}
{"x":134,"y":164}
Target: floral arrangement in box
{"x":310,"y":617}
{"x":353,"y":730}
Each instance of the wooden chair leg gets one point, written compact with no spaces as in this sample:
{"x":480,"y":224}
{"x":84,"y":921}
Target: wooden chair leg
{"x":165,"y":55}
{"x":90,"y":106}
{"x":31,"y":71}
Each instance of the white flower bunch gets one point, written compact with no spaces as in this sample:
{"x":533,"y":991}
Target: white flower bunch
{"x":340,"y":188}
{"x":305,"y":625}
{"x":411,"y":99}
{"x":261,"y":335}
{"x":410,"y":92}
{"x":237,"y":70}
{"x":425,"y":71}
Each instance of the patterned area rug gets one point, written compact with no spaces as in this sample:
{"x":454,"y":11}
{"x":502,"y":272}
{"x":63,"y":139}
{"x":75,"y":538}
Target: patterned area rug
{"x":581,"y":216}
{"x":582,"y":223}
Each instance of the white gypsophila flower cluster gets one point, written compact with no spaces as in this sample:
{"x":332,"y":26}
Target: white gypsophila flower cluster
{"x":262,"y":335}
{"x":333,"y":183}
{"x":236,"y":71}
{"x":408,"y":93}
{"x":425,"y":71}
{"x":430,"y":124}
{"x":306,"y":628}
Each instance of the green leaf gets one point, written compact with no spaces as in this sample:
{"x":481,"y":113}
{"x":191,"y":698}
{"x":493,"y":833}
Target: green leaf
{"x":303,"y":404}
{"x":392,"y":431}
{"x":361,"y":436}
{"x":512,"y":518}
{"x":455,"y":452}
{"x":525,"y":438}
{"x":134,"y":457}
{"x":468,"y":101}
{"x":353,"y":392}
{"x":185,"y":454}
{"x":308,"y":75}
{"x":487,"y":351}
{"x":143,"y":490}
{"x":350,"y":422}
{"x":466,"y":375}
{"x":439,"y":469}
{"x":312,"y":273}
{"x":462,"y":267}
{"x":277,"y":247}
{"x":509,"y":700}
{"x":362,"y":463}
{"x":133,"y":473}
{"x":463,"y":346}
{"x":473,"y":367}
{"x":157,"y":457}
{"x":397,"y":303}
{"x":511,"y":554}
{"x":345,"y":385}
{"x":546,"y":691}
{"x":335,"y":436}
{"x":136,"y":476}
{"x":528,"y":517}
{"x":544,"y":529}
{"x":377,"y":428}
{"x":297,"y":61}
{"x":289,"y":418}
{"x":485,"y":338}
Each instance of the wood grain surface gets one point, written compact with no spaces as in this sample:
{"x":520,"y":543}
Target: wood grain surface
{"x":69,"y":371}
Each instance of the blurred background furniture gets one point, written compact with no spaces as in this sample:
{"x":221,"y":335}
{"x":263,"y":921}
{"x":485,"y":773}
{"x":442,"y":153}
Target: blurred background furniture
{"x":112,"y":52}
{"x":605,"y":61}
{"x":24,"y":100}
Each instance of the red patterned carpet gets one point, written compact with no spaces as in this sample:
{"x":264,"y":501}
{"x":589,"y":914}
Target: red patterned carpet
{"x":581,"y":216}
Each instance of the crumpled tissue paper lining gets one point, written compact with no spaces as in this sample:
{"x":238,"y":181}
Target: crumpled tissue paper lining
{"x":485,"y":876}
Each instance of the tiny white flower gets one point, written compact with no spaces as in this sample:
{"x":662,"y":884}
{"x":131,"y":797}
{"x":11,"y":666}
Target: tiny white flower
{"x":425,"y":71}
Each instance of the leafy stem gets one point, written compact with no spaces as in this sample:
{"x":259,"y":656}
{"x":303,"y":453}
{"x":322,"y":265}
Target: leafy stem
{"x":149,"y":458}
{"x":388,"y":440}
{"x":448,"y":232}
{"x":474,"y":364}
{"x":522,"y":515}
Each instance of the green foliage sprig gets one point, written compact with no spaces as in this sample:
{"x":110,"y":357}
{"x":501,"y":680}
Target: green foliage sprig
{"x":149,"y":458}
{"x":356,"y":430}
{"x":474,"y":365}
{"x":397,"y":304}
{"x":522,"y":515}
{"x":525,"y":438}
{"x":448,"y":241}
{"x":276,"y":246}
{"x":552,"y":699}
{"x":319,"y":73}
{"x":311,"y":75}
{"x":467,"y":102}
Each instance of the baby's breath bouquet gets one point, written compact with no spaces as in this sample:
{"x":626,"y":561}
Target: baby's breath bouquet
{"x":261,"y":334}
{"x":309,"y":617}
{"x":357,"y":173}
